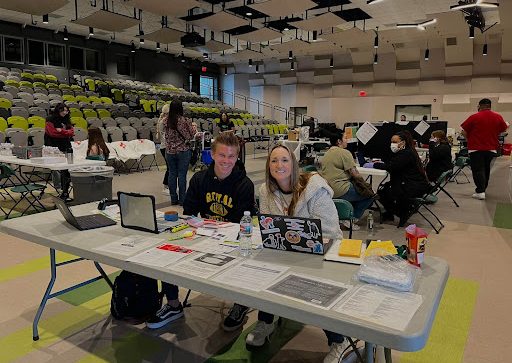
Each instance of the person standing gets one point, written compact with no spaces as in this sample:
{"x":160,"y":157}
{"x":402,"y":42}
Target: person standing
{"x":482,"y":130}
{"x":179,"y":132}
{"x":222,"y":192}
{"x":58,"y":133}
{"x":160,"y":132}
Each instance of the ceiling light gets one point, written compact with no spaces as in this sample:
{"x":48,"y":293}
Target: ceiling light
{"x":315,"y":35}
{"x":248,"y":14}
{"x":91,"y":31}
{"x":331,"y":62}
{"x":427,"y":54}
{"x":205,"y":55}
{"x":250,"y":62}
{"x":286,"y":29}
{"x":141,"y":40}
{"x":472,"y":4}
{"x":65,"y":32}
{"x":45,"y":19}
{"x":225,"y":71}
{"x":132,"y":48}
{"x":290,"y":55}
{"x":257,"y":68}
{"x":471,"y":32}
{"x":484,"y":50}
{"x":182,"y":56}
{"x":141,"y":33}
{"x":376,"y":41}
{"x":157,"y":46}
{"x":292,"y":66}
{"x":376,"y":59}
{"x":420,"y":26}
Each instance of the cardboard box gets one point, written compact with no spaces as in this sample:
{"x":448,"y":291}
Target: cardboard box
{"x":293,"y":135}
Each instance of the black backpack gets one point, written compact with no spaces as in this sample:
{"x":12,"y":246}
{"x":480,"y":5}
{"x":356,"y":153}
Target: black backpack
{"x":134,"y":296}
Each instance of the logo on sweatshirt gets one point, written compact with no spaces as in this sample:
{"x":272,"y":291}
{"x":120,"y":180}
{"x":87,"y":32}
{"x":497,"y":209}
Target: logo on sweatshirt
{"x":219,"y":203}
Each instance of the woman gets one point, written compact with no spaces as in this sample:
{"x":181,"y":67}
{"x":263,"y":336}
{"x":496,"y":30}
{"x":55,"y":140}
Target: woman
{"x":58,"y":133}
{"x":338,"y":168}
{"x":407,"y":178}
{"x":160,"y":135}
{"x":225,"y":124}
{"x":96,"y":147}
{"x":287,"y":192}
{"x":439,"y":156}
{"x":178,"y":133}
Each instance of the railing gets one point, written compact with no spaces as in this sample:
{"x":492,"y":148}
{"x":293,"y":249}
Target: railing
{"x":261,"y":108}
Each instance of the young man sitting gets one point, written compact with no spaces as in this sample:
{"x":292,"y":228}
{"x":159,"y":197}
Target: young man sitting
{"x":222,"y":192}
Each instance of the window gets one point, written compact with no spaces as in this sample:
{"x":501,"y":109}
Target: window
{"x":92,"y":60}
{"x":123,"y":65}
{"x":35,"y":52}
{"x":55,"y":55}
{"x":13,"y":49}
{"x":76,"y":58}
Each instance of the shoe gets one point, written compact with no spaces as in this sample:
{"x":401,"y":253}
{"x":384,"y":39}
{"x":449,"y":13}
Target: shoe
{"x":346,"y":223}
{"x":480,"y":196}
{"x":164,"y":316}
{"x":343,"y":353}
{"x":259,"y":334}
{"x":235,"y":318}
{"x":165,"y":191}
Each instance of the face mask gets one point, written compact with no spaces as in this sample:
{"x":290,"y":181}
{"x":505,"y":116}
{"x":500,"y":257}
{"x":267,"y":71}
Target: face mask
{"x":434,"y":139}
{"x":394,"y":147}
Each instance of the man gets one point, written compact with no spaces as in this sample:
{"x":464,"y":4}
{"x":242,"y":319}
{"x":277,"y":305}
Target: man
{"x":222,"y":192}
{"x":481,"y":131}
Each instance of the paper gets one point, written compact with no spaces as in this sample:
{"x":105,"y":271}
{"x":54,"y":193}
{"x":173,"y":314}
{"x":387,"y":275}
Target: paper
{"x":422,"y":127}
{"x":161,"y":256}
{"x":381,"y":306}
{"x":212,"y":246}
{"x":317,"y":292}
{"x":402,"y":123}
{"x":129,"y":245}
{"x":350,"y":133}
{"x":204,"y":265}
{"x":205,"y":231}
{"x":112,"y":211}
{"x":366,"y":132}
{"x":251,"y":275}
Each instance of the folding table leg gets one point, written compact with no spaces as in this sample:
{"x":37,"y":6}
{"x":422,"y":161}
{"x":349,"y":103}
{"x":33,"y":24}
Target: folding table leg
{"x":387,"y":355}
{"x":186,"y":304}
{"x":53,"y":269}
{"x":368,"y":347}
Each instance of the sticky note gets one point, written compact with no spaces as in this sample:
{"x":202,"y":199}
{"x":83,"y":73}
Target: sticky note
{"x":350,"y":248}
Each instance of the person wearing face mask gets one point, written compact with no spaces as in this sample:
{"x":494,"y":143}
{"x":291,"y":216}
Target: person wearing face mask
{"x":439,"y":155}
{"x":288,"y":192}
{"x":338,"y":168}
{"x":407,"y":178}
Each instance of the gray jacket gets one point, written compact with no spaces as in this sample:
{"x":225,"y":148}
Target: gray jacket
{"x":314,"y":202}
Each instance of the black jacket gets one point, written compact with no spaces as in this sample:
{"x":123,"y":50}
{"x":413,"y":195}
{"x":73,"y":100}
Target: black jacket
{"x":406,"y":177}
{"x":224,"y":200}
{"x":440,"y":160}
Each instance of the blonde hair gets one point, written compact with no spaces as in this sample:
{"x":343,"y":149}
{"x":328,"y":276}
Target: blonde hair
{"x":298,"y":181}
{"x":165,"y":109}
{"x":228,"y":139}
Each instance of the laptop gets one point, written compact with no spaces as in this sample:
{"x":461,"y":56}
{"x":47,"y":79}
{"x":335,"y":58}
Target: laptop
{"x":138,"y":211}
{"x":291,"y":233}
{"x":82,"y":223}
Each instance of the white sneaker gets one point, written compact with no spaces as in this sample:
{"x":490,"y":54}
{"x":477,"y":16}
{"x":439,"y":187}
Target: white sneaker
{"x":165,"y":191}
{"x":343,"y":353}
{"x":259,"y":334}
{"x":480,"y":196}
{"x":346,"y":224}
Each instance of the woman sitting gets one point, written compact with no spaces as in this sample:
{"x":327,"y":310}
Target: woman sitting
{"x":96,"y":147}
{"x":407,"y":178}
{"x":439,"y":156}
{"x":338,"y":168}
{"x":287,"y":192}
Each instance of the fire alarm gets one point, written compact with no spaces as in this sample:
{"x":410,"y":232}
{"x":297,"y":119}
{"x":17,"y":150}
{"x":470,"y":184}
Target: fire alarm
{"x":203,"y":69}
{"x":362,"y":94}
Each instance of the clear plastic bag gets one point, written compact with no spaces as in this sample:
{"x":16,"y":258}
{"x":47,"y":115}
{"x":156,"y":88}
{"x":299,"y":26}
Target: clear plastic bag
{"x":389,"y":271}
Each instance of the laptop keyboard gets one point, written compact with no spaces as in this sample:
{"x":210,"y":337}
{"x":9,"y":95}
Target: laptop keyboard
{"x":91,"y":221}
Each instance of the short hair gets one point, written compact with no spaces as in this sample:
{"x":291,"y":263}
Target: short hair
{"x":165,"y":108}
{"x":228,"y":139}
{"x":485,"y":101}
{"x":334,"y":137}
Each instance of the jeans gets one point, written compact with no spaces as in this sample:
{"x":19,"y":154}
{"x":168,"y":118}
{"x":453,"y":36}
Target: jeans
{"x":178,"y":167}
{"x":481,"y":168}
{"x":359,"y":202}
{"x":166,"y":176}
{"x":170,"y":291}
{"x":331,"y":336}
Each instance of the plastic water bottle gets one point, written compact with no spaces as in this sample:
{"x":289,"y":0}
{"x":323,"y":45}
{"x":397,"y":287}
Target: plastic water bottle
{"x":369,"y":222}
{"x":245,"y":238}
{"x":69,"y":156}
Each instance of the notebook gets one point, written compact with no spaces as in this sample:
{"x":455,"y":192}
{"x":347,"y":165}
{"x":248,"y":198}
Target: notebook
{"x":82,"y":223}
{"x":138,"y":211}
{"x":291,"y":233}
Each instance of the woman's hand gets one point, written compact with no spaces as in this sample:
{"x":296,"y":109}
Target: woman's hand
{"x":58,"y":129}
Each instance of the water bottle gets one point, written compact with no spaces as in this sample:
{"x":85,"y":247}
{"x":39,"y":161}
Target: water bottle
{"x":69,"y":156}
{"x":369,"y":222}
{"x":245,"y":239}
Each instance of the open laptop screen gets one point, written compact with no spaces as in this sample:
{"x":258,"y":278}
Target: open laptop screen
{"x":137,"y":211}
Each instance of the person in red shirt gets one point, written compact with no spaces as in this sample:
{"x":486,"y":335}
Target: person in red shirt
{"x":482,"y":130}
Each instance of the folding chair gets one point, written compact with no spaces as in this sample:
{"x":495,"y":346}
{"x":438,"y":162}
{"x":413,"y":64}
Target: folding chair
{"x":345,"y":212}
{"x":460,"y":163}
{"x":443,"y":180}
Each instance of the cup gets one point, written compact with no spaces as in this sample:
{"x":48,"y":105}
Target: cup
{"x":171,"y":215}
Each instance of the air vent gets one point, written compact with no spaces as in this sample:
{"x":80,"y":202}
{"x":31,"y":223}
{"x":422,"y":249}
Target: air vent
{"x":354,"y":50}
{"x":55,"y":16}
{"x":399,"y":45}
{"x":451,"y":41}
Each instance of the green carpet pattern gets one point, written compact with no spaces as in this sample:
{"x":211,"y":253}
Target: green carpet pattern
{"x":449,"y":333}
{"x":503,"y":216}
